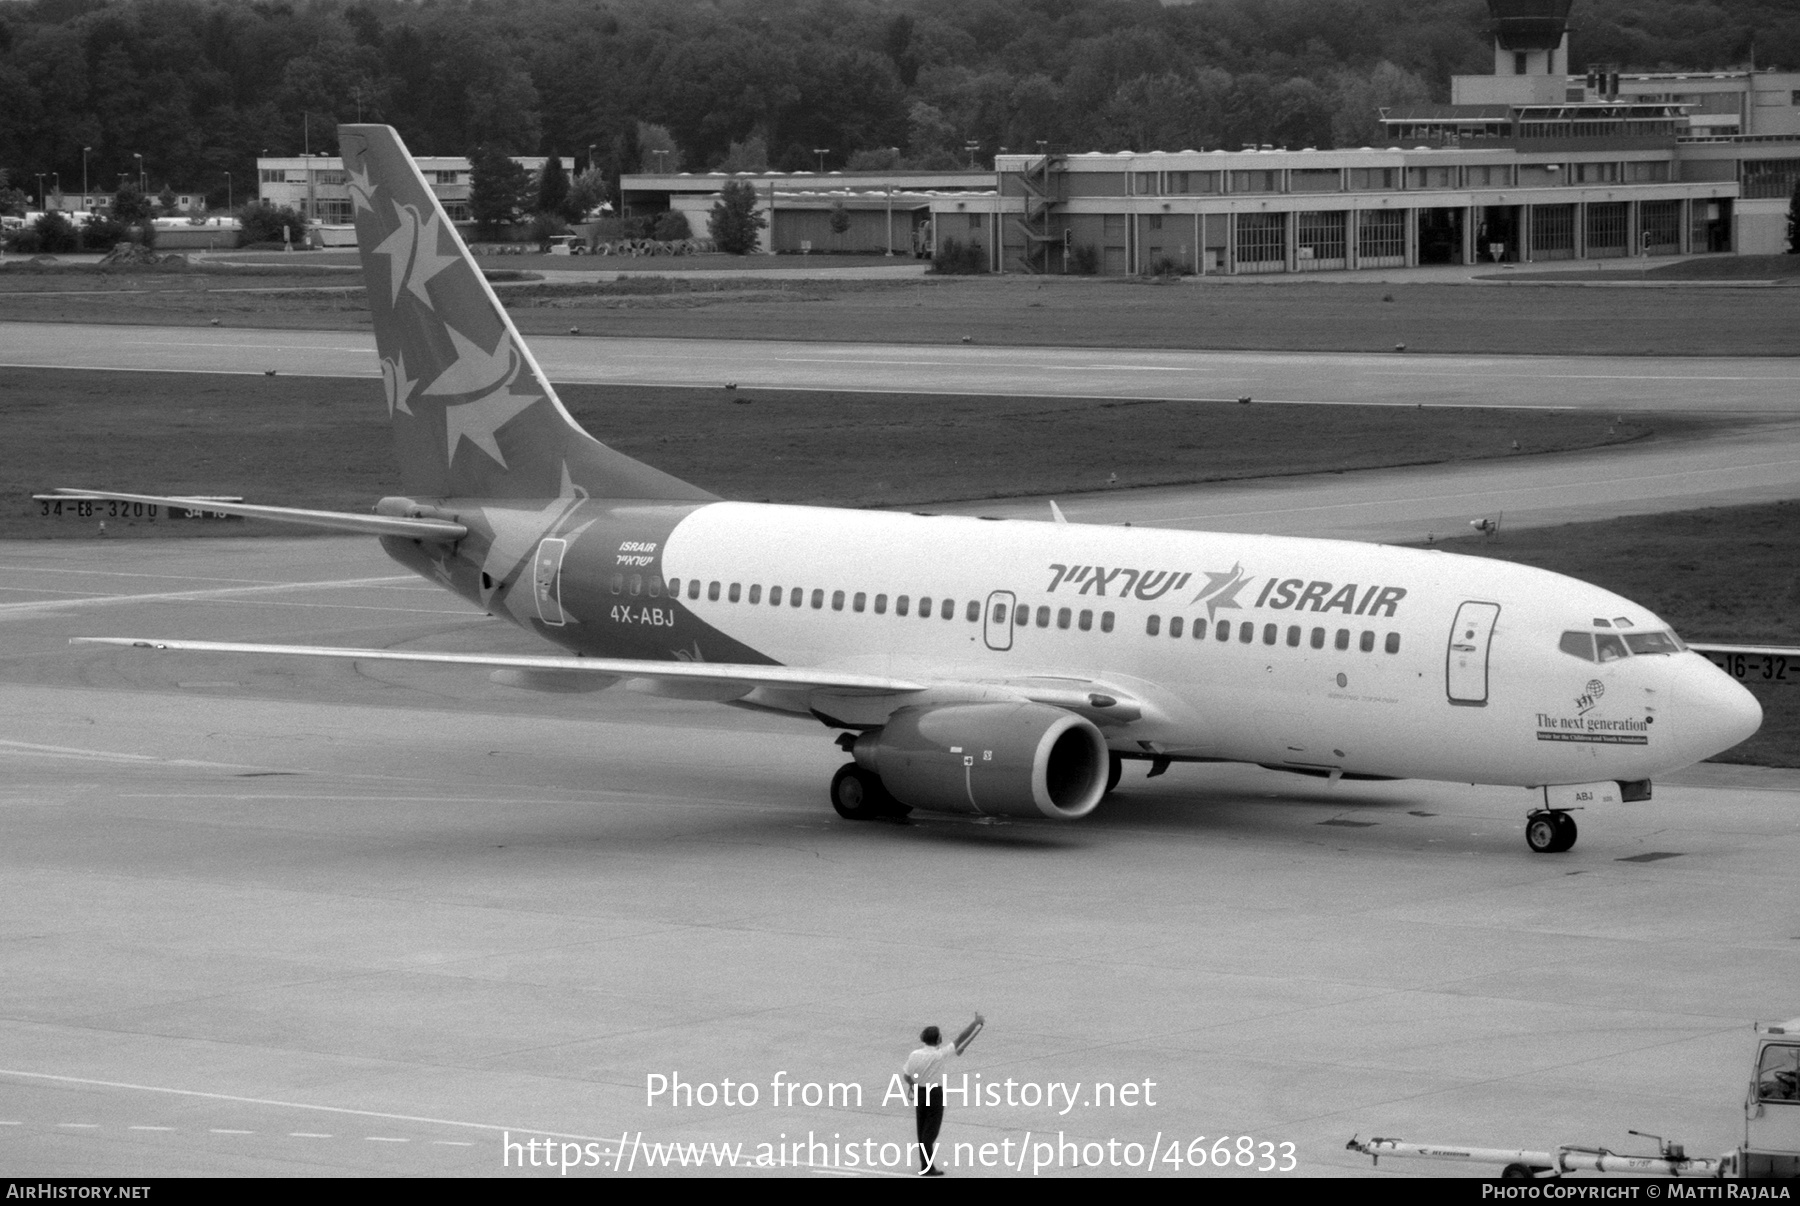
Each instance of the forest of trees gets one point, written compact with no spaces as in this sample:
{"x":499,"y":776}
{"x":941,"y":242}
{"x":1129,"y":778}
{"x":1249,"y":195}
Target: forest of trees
{"x":201,"y":87}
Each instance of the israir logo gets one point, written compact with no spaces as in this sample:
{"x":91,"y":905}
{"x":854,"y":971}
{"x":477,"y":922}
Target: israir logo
{"x":1221,"y":590}
{"x":1584,"y":703}
{"x":1094,"y":580}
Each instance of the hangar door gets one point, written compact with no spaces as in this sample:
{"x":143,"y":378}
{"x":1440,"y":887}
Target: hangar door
{"x":1466,"y":661}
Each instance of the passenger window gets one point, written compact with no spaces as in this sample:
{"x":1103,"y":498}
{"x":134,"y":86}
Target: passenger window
{"x":1318,"y":638}
{"x":1246,"y":632}
{"x":1063,"y":616}
{"x":1608,"y":645}
{"x":774,"y":596}
{"x":618,"y":584}
{"x":903,"y":605}
{"x":1021,"y":616}
{"x":693,"y":588}
{"x":712,"y":592}
{"x":1343,"y":639}
{"x":734,"y":593}
{"x":1367,"y":644}
{"x":859,"y":601}
{"x":1393,"y":642}
{"x":756,"y":593}
{"x":674,"y":588}
{"x":1106,"y":621}
{"x":1175,"y":625}
{"x":924,"y":607}
{"x":1085,"y":621}
{"x":1153,"y":625}
{"x":818,"y":599}
{"x":947,"y":609}
{"x":1270,"y":632}
{"x":837,"y":600}
{"x":655,"y":587}
{"x":637,"y":585}
{"x":999,"y":613}
{"x":1043,"y":619}
{"x":1293,"y":636}
{"x":795,"y":596}
{"x":1224,"y":631}
{"x":881,"y":605}
{"x":1578,"y":644}
{"x":973,"y":611}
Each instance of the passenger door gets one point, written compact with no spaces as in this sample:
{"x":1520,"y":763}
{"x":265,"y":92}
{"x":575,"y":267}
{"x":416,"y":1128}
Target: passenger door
{"x":1466,"y":660}
{"x":546,"y":577}
{"x":999,"y":622}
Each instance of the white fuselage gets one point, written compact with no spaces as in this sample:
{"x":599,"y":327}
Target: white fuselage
{"x":1314,"y":654}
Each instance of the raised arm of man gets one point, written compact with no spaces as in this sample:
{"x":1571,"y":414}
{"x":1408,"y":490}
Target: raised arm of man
{"x":969,"y":1032}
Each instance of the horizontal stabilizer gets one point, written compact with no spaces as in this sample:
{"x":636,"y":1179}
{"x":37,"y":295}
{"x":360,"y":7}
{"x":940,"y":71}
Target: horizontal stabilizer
{"x":440,"y":531}
{"x":789,"y":677}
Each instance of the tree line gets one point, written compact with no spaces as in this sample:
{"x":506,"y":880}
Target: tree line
{"x":200,"y":88}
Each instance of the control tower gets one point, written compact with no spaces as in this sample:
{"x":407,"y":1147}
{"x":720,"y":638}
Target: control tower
{"x":1531,"y":56}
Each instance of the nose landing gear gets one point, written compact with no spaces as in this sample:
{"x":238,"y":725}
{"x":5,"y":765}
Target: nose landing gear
{"x":1549,"y":832}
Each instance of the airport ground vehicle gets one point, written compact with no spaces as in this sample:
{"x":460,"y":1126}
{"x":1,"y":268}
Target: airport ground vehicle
{"x":1771,"y":1145}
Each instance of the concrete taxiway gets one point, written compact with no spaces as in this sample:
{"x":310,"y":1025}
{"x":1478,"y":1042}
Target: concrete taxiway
{"x":1764,"y":386}
{"x":260,"y":917}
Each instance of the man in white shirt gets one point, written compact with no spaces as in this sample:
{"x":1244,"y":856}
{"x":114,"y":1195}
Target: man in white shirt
{"x":924,"y":1071}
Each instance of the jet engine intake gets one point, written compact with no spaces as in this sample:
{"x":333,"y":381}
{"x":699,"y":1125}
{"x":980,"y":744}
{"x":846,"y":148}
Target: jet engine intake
{"x":990,"y":759}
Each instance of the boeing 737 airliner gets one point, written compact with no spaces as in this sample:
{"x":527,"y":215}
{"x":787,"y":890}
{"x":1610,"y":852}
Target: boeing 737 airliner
{"x":978,"y":666}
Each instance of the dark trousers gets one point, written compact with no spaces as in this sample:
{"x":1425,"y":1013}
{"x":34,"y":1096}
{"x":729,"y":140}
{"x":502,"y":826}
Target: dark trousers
{"x":929,"y":1113}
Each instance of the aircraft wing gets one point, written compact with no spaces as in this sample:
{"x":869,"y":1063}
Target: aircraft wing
{"x":437,"y":530}
{"x":1754,"y":663}
{"x":1100,"y":701}
{"x":779,"y":677}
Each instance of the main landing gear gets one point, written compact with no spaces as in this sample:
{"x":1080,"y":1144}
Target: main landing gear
{"x":858,"y":795}
{"x":1549,"y":832}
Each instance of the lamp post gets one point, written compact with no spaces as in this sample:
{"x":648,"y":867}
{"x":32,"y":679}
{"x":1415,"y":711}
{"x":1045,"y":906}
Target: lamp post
{"x":57,"y":177}
{"x":140,"y":170}
{"x":971,"y":147}
{"x":661,"y":154}
{"x":41,"y":204}
{"x":820,"y":152}
{"x":85,"y":203}
{"x":228,"y":192}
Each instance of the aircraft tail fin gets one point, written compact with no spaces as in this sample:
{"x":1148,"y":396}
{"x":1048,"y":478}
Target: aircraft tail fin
{"x":473,"y":415}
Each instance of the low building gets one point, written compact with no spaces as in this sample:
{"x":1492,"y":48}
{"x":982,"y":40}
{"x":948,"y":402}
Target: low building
{"x":883,"y":212}
{"x":316,"y":186}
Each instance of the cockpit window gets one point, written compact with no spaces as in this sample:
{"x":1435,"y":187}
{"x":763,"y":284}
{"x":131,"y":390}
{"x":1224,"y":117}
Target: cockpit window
{"x":1611,"y":646}
{"x":1581,"y":644}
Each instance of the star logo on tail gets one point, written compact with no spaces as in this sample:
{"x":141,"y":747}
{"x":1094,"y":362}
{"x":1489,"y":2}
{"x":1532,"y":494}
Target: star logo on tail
{"x":398,"y":385}
{"x":362,"y":192}
{"x":1221,"y":590}
{"x":412,"y":253}
{"x":490,"y":375}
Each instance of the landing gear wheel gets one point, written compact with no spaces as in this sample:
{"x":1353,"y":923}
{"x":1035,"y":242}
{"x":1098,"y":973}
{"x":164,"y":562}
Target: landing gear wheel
{"x":1550,"y":832}
{"x":1115,"y":767}
{"x":858,"y":795}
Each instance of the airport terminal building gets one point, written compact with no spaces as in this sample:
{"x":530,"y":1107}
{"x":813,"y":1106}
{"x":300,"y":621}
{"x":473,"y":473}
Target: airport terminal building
{"x":1526,"y":165}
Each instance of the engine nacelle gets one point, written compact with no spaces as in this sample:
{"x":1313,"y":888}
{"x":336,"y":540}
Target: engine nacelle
{"x":990,"y":759}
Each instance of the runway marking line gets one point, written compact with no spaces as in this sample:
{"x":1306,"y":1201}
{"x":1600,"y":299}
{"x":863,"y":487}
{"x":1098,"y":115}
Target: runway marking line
{"x":149,"y":1128}
{"x":7,"y":609}
{"x":292,"y":1105}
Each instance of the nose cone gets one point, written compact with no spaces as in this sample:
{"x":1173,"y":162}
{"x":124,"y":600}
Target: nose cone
{"x":1717,"y":712}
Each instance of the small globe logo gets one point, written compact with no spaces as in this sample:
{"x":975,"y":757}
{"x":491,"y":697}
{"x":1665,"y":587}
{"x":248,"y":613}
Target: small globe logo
{"x":1596,"y":688}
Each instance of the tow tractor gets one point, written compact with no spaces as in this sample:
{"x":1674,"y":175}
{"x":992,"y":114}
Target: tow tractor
{"x":1771,"y":1146}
